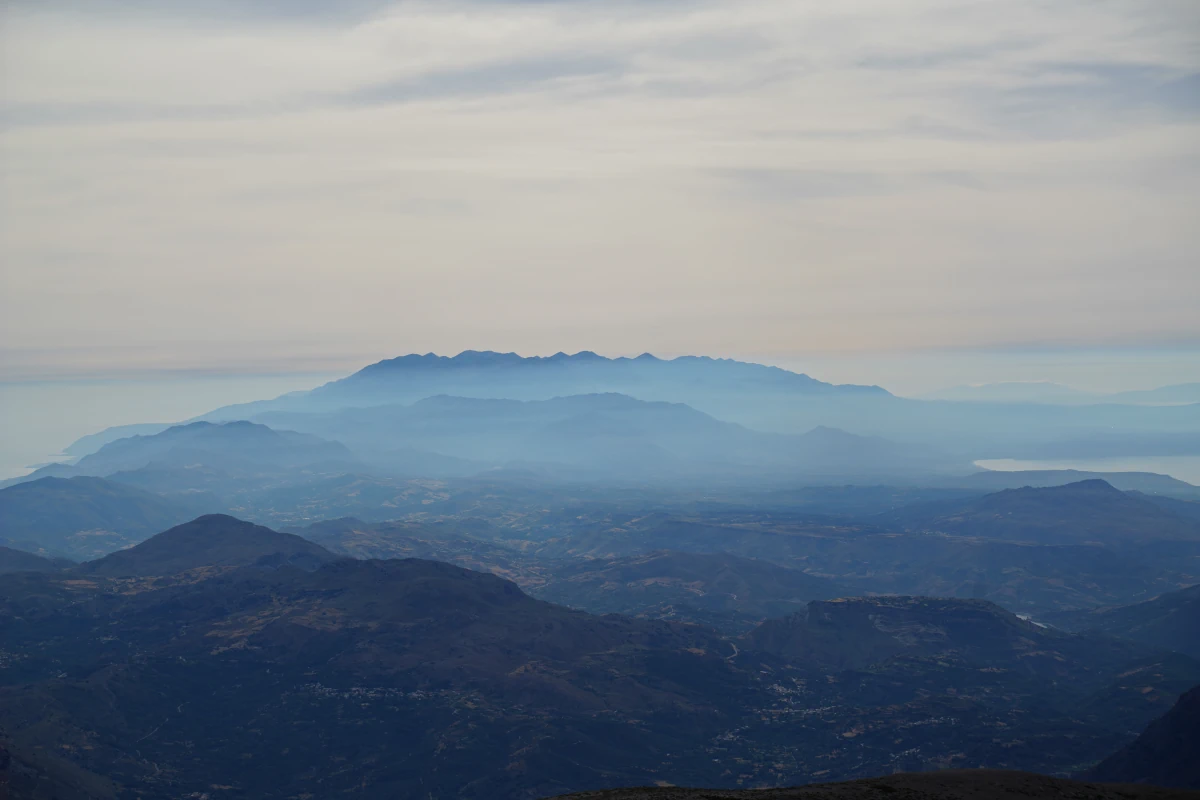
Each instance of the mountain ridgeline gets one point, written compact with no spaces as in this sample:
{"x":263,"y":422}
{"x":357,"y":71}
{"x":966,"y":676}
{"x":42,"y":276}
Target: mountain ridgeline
{"x":760,"y":397}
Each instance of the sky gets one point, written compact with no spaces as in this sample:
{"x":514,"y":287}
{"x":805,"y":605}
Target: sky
{"x":201,"y":187}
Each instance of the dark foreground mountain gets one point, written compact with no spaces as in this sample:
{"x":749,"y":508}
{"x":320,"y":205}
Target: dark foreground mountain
{"x":84,"y":517}
{"x":981,"y":784}
{"x":1166,"y":754}
{"x":1170,"y":621}
{"x":215,"y":540}
{"x":417,"y":678}
{"x":1087,"y":511}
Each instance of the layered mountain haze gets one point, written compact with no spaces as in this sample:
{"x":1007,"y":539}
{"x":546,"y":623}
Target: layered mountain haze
{"x":611,"y":434}
{"x":492,"y":576}
{"x":519,"y":399}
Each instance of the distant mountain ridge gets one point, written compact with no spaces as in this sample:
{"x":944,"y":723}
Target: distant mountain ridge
{"x":490,"y":375}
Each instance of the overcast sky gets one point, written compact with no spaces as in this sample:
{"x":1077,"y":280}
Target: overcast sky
{"x":197,"y":185}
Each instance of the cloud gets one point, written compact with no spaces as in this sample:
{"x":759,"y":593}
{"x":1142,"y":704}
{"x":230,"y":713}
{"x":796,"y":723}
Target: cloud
{"x":675,"y":175}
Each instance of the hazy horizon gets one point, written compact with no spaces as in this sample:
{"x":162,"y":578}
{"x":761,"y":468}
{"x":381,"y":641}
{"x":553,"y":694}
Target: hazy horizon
{"x":40,"y":417}
{"x":766,"y":179}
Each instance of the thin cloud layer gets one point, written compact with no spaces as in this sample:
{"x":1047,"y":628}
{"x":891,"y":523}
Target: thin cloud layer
{"x":219,"y":185}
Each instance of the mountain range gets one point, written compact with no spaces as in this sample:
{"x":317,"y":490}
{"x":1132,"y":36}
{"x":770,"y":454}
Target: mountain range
{"x":760,"y":397}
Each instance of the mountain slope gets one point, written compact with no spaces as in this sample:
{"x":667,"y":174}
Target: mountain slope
{"x":214,"y":540}
{"x":1087,"y":511}
{"x":84,"y":517}
{"x":1165,"y":754}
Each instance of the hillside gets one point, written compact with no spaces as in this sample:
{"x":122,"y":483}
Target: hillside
{"x":726,"y":591}
{"x":84,"y":517}
{"x":857,"y":632}
{"x":981,"y":784}
{"x":447,"y":542}
{"x":1170,"y":621}
{"x":212,"y":540}
{"x":401,"y":677}
{"x":1164,"y":754}
{"x":20,"y":561}
{"x":1087,"y":511}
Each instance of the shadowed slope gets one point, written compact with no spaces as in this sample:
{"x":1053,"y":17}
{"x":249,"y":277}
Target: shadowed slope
{"x":1166,"y":754}
{"x":982,"y":784}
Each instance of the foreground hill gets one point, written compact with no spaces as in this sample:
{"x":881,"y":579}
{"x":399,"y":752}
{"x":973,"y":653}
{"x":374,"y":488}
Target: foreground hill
{"x":1087,"y":511}
{"x":1170,"y":621}
{"x":981,"y":784}
{"x":408,"y":677}
{"x":215,"y":540}
{"x":379,"y":677}
{"x":1164,"y":755}
{"x":84,"y":517}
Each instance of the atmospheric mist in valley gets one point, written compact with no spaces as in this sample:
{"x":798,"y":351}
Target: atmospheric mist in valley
{"x":611,"y":400}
